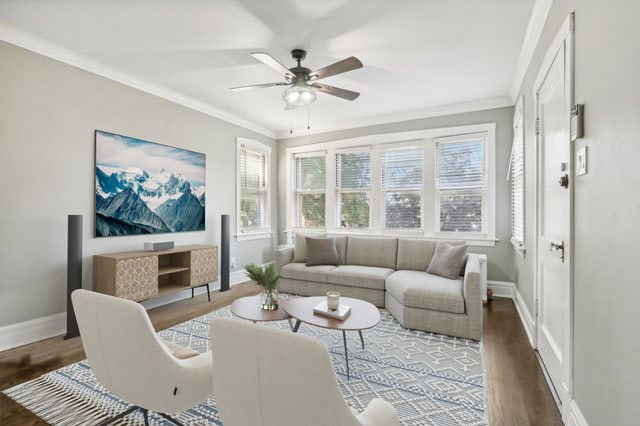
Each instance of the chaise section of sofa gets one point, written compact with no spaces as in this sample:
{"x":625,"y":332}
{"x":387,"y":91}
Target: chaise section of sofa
{"x":428,"y":302}
{"x":391,"y":273}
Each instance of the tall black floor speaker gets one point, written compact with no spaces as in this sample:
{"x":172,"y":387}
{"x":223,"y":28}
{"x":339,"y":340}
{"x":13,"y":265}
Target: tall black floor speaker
{"x":225,"y":261}
{"x":74,"y":270}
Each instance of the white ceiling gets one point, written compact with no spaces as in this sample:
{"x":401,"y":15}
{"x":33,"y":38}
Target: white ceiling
{"x":417,"y":54}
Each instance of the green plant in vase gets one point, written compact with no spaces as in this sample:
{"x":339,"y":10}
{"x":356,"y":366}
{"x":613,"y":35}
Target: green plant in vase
{"x":268,"y":278}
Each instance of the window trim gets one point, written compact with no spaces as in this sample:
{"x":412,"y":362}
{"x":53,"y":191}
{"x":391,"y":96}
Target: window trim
{"x":293,"y":192}
{"x":338,"y":191}
{"x":415,"y":144}
{"x":262,"y":149}
{"x":377,"y":142}
{"x":486,"y":205}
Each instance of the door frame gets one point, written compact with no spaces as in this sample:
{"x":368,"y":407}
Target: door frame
{"x":565,"y":36}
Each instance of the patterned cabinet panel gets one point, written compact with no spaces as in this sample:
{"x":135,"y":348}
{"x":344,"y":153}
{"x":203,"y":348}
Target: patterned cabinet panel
{"x":204,"y":266}
{"x":137,"y":278}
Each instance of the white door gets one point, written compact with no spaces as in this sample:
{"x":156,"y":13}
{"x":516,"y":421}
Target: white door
{"x":553,"y":107}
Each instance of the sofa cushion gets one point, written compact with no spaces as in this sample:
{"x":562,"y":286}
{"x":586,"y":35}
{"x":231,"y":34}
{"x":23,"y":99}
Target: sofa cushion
{"x":367,"y":251}
{"x":360,"y":276}
{"x":418,"y":289}
{"x":447,"y":260}
{"x":322,"y":251}
{"x":300,"y":271}
{"x":415,"y":255}
{"x":300,"y":246}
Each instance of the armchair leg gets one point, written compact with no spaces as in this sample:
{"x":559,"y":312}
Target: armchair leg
{"x":145,"y":413}
{"x":121,"y":415}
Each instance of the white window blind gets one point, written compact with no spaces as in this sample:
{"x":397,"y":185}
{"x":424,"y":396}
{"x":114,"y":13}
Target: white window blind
{"x":402,"y":185}
{"x":353,"y":189}
{"x":310,"y":182}
{"x":254,"y":190}
{"x":516,"y":172}
{"x":461,"y":185}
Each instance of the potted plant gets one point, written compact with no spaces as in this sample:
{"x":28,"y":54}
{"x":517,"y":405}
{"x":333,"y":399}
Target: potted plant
{"x":268,"y":278}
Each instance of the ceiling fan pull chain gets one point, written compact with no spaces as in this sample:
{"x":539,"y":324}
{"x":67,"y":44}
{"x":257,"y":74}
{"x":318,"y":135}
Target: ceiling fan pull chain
{"x":308,"y":113}
{"x":291,"y":123}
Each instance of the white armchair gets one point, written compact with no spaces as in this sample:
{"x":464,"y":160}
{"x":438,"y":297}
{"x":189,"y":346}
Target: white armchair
{"x":130,"y":360}
{"x":268,"y":377}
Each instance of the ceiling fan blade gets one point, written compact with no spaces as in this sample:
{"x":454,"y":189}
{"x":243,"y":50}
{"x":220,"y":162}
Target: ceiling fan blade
{"x":336,"y":91}
{"x":349,"y":64}
{"x":270,"y":61}
{"x":257,"y":86}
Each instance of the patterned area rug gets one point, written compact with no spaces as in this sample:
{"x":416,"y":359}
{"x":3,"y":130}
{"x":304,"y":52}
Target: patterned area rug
{"x":431,"y":379}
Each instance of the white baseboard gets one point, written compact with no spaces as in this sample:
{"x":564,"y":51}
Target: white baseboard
{"x":525,"y":317}
{"x":508,"y":289}
{"x":23,"y":333}
{"x":575,"y":417}
{"x":501,"y":288}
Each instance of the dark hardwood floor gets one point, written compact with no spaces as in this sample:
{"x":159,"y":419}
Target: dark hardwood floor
{"x":516,"y":388}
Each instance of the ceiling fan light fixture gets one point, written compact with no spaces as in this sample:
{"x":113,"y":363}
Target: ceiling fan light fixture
{"x":299,"y":96}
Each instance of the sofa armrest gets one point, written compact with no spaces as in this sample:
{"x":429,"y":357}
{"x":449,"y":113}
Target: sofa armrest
{"x":473,"y":295}
{"x":284,"y":256}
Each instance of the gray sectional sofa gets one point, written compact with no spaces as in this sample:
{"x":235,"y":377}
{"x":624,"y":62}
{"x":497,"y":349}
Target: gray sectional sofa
{"x":391,"y":273}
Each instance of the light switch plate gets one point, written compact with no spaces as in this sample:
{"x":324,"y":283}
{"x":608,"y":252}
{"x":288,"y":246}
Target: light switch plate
{"x":581,"y":161}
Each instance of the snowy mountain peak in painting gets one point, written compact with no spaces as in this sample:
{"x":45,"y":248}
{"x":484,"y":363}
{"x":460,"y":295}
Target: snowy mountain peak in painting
{"x":153,"y":189}
{"x":149,"y":196}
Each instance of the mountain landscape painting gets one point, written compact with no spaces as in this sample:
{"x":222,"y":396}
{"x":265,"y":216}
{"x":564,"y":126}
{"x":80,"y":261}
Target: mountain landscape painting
{"x":147,"y":188}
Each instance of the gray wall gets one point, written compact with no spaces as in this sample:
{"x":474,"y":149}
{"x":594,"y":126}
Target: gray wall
{"x":500,"y":257}
{"x":607,"y":205}
{"x":48,"y":112}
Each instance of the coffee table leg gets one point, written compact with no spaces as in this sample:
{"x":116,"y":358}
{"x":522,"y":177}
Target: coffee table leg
{"x":346,"y":354}
{"x":290,"y":323}
{"x":297,"y":326}
{"x":361,"y":338}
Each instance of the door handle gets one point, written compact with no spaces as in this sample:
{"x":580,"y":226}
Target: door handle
{"x":558,"y":247}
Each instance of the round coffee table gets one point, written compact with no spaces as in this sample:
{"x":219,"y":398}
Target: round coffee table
{"x":249,"y":309}
{"x":364,"y":315}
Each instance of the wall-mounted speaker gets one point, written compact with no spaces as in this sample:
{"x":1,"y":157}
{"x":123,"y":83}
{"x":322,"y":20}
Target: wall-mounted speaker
{"x":74,"y":270}
{"x":225,"y":259}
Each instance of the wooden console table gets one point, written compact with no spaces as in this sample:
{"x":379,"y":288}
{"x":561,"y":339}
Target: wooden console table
{"x":140,"y":275}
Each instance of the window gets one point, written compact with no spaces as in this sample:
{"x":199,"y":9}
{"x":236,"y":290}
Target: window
{"x":310,"y":183}
{"x":423,"y":183}
{"x":253,"y":188}
{"x":461,"y":184}
{"x":353,"y":189}
{"x":402,"y":186}
{"x":516,"y":173}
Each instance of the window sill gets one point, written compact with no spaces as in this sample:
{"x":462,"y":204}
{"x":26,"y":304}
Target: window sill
{"x":519,"y":248}
{"x":254,"y":236}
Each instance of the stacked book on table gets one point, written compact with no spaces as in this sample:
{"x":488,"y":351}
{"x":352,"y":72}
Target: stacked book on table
{"x":341,"y":313}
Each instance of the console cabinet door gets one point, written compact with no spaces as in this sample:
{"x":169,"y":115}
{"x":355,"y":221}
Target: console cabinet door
{"x":204,"y":266}
{"x":137,"y":278}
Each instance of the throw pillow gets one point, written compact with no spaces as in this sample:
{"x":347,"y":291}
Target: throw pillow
{"x":322,"y":251}
{"x":447,"y":260}
{"x":300,"y":247}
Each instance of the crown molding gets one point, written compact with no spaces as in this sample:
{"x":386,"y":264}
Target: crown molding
{"x":438,"y":111}
{"x":43,"y":47}
{"x":539,"y":14}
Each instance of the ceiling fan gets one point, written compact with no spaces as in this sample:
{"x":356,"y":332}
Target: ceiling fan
{"x":303,"y":81}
